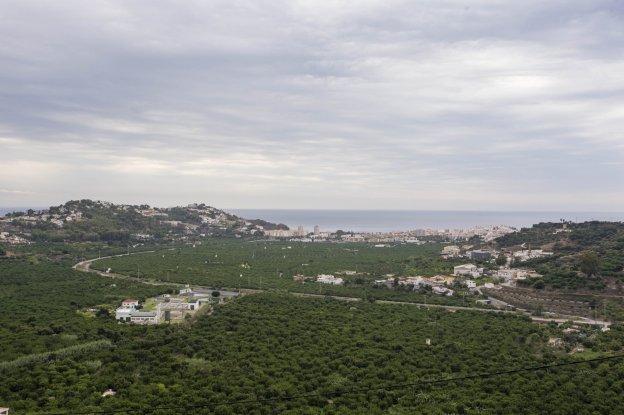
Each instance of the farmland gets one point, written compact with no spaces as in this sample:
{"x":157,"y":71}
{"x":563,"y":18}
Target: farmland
{"x":273,"y":352}
{"x":272,"y":265}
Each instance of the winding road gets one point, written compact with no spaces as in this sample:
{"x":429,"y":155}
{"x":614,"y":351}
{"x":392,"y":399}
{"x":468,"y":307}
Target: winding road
{"x":85,"y":266}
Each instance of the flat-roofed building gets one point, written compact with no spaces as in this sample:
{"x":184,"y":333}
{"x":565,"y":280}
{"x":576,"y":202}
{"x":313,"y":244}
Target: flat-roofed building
{"x":469,"y":270}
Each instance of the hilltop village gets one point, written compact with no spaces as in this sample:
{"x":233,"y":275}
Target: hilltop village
{"x":96,"y":221}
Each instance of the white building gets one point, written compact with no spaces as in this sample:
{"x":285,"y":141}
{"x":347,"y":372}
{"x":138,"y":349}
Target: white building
{"x":130,"y":303}
{"x":442,"y":291}
{"x":526,"y":254}
{"x":178,"y":305}
{"x":329,"y":279}
{"x":132,"y":315}
{"x":186,"y":290}
{"x":278,"y":233}
{"x":510,"y":274}
{"x":469,"y":270}
{"x":470,"y":284}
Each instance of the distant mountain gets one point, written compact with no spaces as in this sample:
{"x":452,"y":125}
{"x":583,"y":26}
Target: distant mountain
{"x":585,"y":255}
{"x":89,"y":220}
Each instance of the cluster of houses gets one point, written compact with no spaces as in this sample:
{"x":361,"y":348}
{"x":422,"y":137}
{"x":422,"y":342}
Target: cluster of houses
{"x":484,"y":255}
{"x":11,"y":239}
{"x":466,"y":251}
{"x":58,"y":216}
{"x":437,"y":283}
{"x":509,"y":276}
{"x":170,"y":307}
{"x":463,"y":274}
{"x":488,"y":233}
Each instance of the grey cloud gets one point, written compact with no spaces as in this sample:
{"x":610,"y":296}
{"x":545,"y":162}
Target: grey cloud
{"x":314,"y":104}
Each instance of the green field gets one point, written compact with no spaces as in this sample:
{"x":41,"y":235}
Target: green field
{"x":264,"y":349}
{"x":271,"y":265}
{"x":272,"y":346}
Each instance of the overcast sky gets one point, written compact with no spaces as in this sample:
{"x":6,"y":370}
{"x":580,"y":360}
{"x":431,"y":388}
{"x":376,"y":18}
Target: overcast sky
{"x":513,"y":105}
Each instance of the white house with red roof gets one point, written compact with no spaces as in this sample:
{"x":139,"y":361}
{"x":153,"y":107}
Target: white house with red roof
{"x":130,"y":303}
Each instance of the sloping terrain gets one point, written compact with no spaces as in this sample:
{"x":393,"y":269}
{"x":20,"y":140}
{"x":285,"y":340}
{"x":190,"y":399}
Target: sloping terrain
{"x":588,"y":255}
{"x":88,"y":220}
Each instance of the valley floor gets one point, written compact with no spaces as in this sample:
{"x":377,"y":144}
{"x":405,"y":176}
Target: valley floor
{"x":282,"y":352}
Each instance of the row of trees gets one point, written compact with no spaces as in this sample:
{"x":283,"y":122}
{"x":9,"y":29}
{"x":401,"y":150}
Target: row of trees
{"x":269,"y":347}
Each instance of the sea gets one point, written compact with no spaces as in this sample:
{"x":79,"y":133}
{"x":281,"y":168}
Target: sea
{"x":401,"y":220}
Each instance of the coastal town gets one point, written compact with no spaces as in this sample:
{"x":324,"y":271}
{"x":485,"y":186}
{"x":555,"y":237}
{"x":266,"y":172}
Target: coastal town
{"x":145,"y":224}
{"x":441,"y":274}
{"x":417,"y":236}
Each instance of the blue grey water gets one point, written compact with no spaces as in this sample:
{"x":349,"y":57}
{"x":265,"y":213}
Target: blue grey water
{"x":399,"y":220}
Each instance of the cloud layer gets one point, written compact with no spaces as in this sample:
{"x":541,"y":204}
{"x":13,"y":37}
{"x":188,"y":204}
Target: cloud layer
{"x":308,"y":104}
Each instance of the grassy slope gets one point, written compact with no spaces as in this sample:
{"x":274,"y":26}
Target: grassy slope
{"x":562,"y":270}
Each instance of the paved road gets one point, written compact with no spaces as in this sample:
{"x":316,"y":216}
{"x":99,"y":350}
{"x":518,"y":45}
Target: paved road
{"x":85,"y":266}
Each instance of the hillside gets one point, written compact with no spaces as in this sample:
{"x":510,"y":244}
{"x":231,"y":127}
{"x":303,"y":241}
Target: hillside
{"x":585,"y":255}
{"x":88,"y":220}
